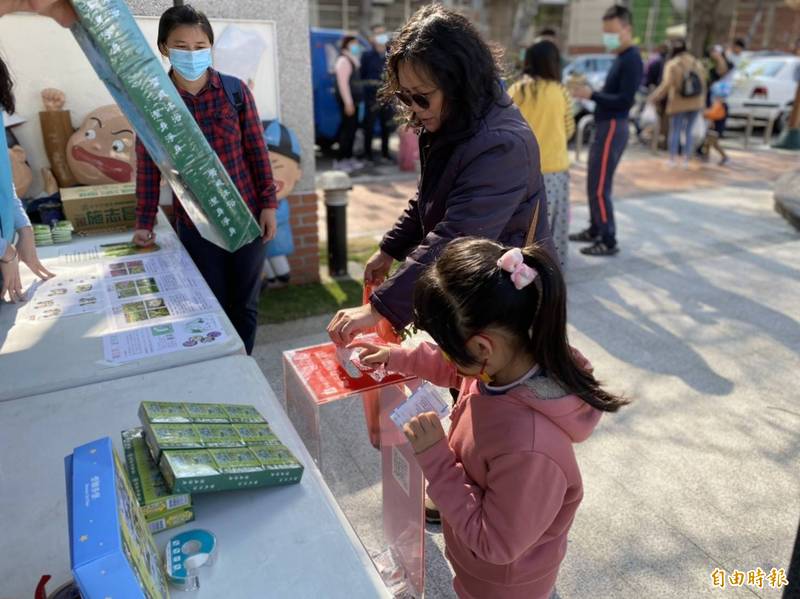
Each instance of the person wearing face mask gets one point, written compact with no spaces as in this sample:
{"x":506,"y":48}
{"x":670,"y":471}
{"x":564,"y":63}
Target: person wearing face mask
{"x":613,"y":103}
{"x":481,"y":172}
{"x":349,"y":93}
{"x":373,"y":65}
{"x":16,"y":234}
{"x":225,"y":110}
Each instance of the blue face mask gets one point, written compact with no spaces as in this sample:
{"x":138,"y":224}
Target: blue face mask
{"x":190,"y":64}
{"x":382,"y":39}
{"x":355,"y":49}
{"x":611,"y":41}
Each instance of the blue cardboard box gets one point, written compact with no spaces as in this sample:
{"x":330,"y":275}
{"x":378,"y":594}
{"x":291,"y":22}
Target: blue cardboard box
{"x":112,"y":551}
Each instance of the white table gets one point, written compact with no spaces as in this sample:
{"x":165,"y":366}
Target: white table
{"x":281,"y":542}
{"x":67,"y":352}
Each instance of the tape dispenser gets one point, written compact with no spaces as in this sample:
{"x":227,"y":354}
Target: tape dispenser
{"x":186,"y":553}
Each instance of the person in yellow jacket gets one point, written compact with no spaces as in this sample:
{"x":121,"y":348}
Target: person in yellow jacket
{"x":547,"y":106}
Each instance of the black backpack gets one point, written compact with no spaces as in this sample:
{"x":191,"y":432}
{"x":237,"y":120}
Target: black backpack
{"x":691,"y":85}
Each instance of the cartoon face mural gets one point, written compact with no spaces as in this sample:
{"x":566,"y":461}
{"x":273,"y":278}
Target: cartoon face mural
{"x":284,"y":156}
{"x":102,"y":151}
{"x":285,"y":172}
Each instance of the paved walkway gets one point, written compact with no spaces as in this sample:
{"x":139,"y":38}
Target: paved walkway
{"x":696,"y":320}
{"x":375,"y":205}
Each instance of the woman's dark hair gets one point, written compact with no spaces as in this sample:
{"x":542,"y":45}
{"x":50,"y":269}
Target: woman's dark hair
{"x":543,"y":61}
{"x":677,"y":47}
{"x":346,"y":41}
{"x":6,"y":89}
{"x":464,"y":293}
{"x":182,"y":15}
{"x":445,"y":46}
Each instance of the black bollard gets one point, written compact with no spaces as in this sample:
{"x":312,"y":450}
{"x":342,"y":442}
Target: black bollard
{"x":335,"y":185}
{"x":337,"y":239}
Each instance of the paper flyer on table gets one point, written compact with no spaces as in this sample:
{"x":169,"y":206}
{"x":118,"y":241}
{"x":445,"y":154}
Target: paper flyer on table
{"x":154,"y":340}
{"x":79,"y":292}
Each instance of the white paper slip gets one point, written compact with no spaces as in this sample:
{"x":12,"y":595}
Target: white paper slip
{"x":425,"y":399}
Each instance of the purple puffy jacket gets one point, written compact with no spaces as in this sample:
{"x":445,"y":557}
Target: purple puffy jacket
{"x":484,"y":182}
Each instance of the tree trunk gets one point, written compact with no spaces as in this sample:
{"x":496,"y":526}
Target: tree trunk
{"x":525,"y":14}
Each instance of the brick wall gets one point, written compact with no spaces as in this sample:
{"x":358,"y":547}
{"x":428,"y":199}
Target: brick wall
{"x":305,"y":260}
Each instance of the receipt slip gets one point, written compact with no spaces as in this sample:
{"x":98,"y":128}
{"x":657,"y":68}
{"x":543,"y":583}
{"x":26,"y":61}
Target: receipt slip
{"x":425,"y":399}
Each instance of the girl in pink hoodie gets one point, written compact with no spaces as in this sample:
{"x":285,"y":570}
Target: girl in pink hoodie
{"x":505,"y":479}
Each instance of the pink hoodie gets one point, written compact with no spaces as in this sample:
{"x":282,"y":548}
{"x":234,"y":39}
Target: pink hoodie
{"x":506,"y":481}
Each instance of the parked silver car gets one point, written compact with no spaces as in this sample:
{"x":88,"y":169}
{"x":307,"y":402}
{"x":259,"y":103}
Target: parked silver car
{"x":765,"y":86}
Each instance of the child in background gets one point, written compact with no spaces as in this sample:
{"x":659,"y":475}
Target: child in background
{"x":716,"y":115}
{"x":547,"y":106}
{"x":506,"y":480}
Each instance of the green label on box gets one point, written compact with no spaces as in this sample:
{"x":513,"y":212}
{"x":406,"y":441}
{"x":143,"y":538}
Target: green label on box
{"x":148,"y":483}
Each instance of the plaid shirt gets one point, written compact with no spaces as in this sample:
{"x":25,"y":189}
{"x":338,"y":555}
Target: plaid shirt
{"x":236,"y":138}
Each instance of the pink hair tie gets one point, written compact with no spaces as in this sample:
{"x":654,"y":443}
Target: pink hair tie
{"x":512,"y":262}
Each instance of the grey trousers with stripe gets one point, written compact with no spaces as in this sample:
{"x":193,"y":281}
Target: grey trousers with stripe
{"x":611,"y":138}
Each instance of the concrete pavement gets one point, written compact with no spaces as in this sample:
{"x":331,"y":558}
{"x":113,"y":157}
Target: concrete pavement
{"x":697,"y":320}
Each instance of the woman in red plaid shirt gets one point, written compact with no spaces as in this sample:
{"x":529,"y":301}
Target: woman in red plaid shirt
{"x":185,"y":37}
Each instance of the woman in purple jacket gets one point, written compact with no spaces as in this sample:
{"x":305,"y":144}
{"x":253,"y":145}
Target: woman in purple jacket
{"x":480,"y":162}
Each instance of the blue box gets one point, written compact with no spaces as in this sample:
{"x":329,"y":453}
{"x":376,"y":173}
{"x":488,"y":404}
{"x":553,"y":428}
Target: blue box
{"x":111,"y":549}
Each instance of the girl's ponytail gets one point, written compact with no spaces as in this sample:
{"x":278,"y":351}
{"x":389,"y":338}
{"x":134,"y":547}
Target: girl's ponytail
{"x":548,"y":334}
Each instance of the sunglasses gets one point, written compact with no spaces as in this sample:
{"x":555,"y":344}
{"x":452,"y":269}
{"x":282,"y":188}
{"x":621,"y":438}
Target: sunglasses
{"x":420,"y":100}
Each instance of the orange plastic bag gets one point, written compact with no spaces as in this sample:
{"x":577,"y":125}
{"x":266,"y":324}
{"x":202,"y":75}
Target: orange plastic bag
{"x":716,"y":112}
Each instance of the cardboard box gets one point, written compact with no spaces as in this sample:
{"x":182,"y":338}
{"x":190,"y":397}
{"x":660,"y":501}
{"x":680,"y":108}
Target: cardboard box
{"x":171,"y":519}
{"x":99,"y":208}
{"x":111,"y":548}
{"x":146,"y":479}
{"x":211,"y":470}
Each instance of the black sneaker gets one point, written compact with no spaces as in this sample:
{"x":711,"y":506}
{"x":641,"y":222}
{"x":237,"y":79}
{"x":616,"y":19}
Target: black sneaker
{"x":600,"y":249}
{"x":585,"y":236}
{"x":432,"y":515}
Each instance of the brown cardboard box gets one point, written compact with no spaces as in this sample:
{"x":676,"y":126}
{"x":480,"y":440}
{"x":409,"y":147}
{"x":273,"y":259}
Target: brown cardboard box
{"x":96,"y":208}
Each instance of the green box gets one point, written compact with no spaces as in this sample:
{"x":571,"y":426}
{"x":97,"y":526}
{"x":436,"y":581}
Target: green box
{"x":204,"y":471}
{"x":171,"y":519}
{"x":148,"y":483}
{"x":166,"y":412}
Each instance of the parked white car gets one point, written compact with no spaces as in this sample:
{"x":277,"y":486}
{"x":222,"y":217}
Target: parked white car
{"x":765,"y":86}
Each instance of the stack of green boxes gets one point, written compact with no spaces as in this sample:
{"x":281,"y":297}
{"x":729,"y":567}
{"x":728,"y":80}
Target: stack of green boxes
{"x":162,"y":509}
{"x":201,"y":448}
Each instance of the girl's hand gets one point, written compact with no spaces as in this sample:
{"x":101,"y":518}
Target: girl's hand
{"x":27,"y":254}
{"x":424,"y":431}
{"x":143,"y":237}
{"x":373,"y":355}
{"x":349,"y":109}
{"x":268,"y":222}
{"x":350,"y":322}
{"x":12,"y":285}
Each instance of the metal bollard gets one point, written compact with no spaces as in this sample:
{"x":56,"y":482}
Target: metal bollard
{"x":748,"y":130}
{"x":335,"y":186}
